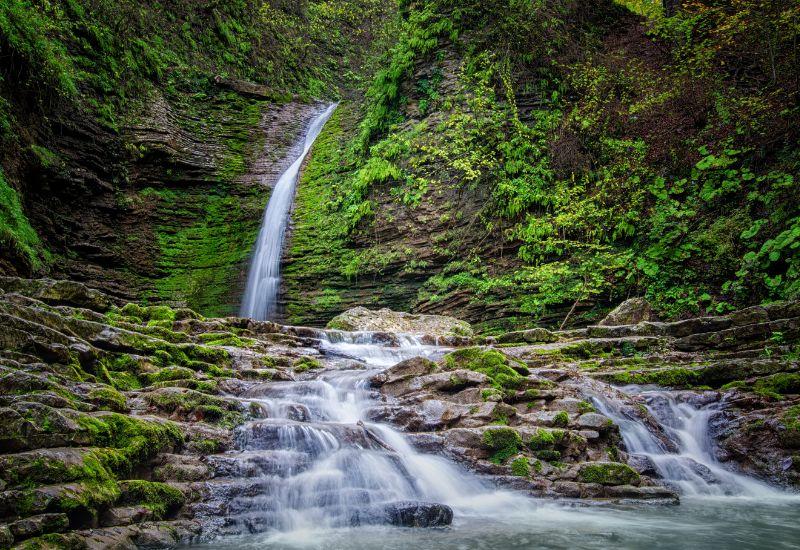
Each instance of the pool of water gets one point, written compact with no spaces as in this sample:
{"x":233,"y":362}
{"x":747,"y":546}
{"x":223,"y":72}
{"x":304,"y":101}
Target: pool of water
{"x":697,"y":523}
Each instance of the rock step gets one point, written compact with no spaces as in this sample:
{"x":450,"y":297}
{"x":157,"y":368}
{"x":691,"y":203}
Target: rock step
{"x":314,"y":438}
{"x":278,"y":462}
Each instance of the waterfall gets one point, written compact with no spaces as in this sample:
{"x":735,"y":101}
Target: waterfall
{"x":683,"y":454}
{"x":263,"y":280}
{"x":314,"y":459}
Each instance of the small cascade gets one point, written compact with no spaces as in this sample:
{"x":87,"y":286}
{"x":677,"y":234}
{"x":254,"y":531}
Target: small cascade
{"x":263,"y":280}
{"x":313,"y":460}
{"x":680,"y":448}
{"x":379,"y":349}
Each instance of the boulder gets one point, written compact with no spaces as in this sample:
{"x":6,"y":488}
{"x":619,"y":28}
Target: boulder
{"x":126,"y":515}
{"x":60,"y":292}
{"x":386,"y":320}
{"x":418,"y":514}
{"x":594,"y":421}
{"x":36,"y":525}
{"x":630,"y":312}
{"x":531,"y":336}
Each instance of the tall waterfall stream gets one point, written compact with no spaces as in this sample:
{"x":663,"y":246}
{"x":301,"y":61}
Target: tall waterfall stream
{"x":263,"y":280}
{"x":313,"y":472}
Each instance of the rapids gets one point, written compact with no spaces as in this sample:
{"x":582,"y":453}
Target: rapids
{"x":317,"y":471}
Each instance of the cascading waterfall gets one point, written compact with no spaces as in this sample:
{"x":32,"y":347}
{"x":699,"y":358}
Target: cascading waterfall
{"x":263,"y":280}
{"x":320,"y":463}
{"x":685,"y":459}
{"x":311,"y":466}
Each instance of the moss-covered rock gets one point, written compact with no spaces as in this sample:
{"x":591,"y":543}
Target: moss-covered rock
{"x":498,"y":367}
{"x":306,"y":363}
{"x":162,"y":499}
{"x":504,"y":442}
{"x":608,"y":473}
{"x":195,"y":405}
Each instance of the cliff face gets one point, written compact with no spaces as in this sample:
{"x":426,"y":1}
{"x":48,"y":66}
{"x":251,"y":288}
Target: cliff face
{"x":174,"y":214}
{"x":516,"y":164}
{"x":140,"y":141}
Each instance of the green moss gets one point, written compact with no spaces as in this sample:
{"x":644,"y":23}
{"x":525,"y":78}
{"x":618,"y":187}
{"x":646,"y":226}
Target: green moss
{"x":778,"y":385}
{"x":167,"y":374}
{"x":561,"y":419}
{"x":16,"y":234}
{"x":91,"y":497}
{"x":608,"y":473}
{"x":207,"y":446}
{"x":586,"y":407}
{"x":193,"y":403}
{"x":505,"y":442}
{"x":546,"y":439}
{"x":226,"y":339}
{"x":490,"y":362}
{"x":790,"y":436}
{"x":305,"y":363}
{"x":678,"y":377}
{"x":521,"y":467}
{"x":548,"y":455}
{"x":135,"y":439}
{"x":109,"y":399}
{"x":162,"y":499}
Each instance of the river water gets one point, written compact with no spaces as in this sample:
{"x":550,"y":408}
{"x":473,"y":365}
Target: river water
{"x":321,"y":463}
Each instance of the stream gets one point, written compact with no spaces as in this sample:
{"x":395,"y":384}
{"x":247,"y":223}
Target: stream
{"x":321,"y":476}
{"x":311,"y":471}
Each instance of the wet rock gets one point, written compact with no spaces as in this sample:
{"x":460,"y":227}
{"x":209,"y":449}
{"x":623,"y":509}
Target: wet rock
{"x":125,"y":515}
{"x":37,"y":525}
{"x":171,"y":467}
{"x":530,"y":336}
{"x":630,"y":492}
{"x":594,"y":421}
{"x":6,"y":537}
{"x":58,"y":292}
{"x":608,"y":473}
{"x":630,"y":312}
{"x":642,"y":464}
{"x":363,"y":319}
{"x":418,"y":514}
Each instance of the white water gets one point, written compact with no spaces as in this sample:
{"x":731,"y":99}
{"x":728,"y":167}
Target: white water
{"x":263,"y":280}
{"x":327,"y":466}
{"x":314,"y":462}
{"x":685,"y":460}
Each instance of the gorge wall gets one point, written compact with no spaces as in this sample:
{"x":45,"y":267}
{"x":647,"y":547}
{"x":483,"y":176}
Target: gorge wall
{"x":516,"y":164}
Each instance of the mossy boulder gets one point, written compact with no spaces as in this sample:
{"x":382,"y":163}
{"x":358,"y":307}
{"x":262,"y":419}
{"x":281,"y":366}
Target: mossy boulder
{"x":194,"y":405}
{"x":386,"y":320}
{"x":306,"y":363}
{"x":608,"y":473}
{"x":162,"y":499}
{"x":503,"y":441}
{"x":790,"y":434}
{"x":500,"y":369}
{"x":531,"y":336}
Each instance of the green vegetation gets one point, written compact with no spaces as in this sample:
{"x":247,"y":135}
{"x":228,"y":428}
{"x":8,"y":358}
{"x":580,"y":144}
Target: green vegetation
{"x":521,"y":467}
{"x":608,"y":473}
{"x":18,"y":240}
{"x":655,"y":167}
{"x":490,"y":362}
{"x":197,"y":405}
{"x":505,"y":442}
{"x":561,"y":419}
{"x":790,"y":436}
{"x":162,"y":499}
{"x":305,"y":363}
